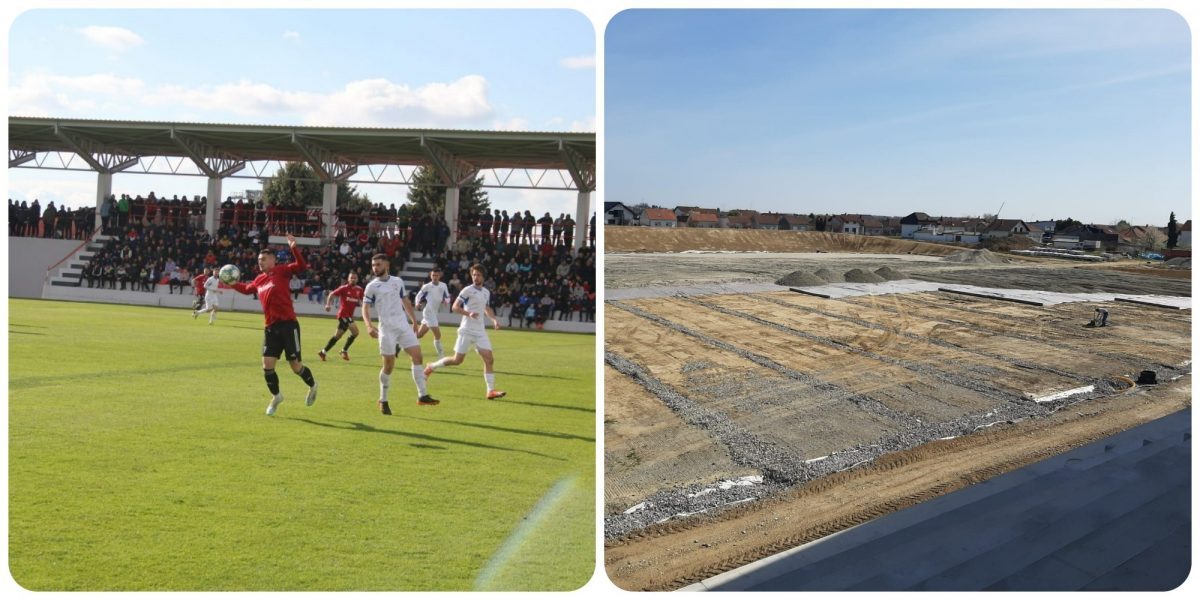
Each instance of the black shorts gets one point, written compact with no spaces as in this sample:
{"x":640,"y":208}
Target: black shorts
{"x":282,"y":337}
{"x":344,"y":323}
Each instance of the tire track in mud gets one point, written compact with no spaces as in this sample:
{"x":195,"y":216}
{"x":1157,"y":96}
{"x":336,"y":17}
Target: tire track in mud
{"x":866,"y":403}
{"x":662,"y":507}
{"x":1135,"y":361}
{"x":937,"y":342}
{"x":989,"y":391}
{"x":746,"y":449}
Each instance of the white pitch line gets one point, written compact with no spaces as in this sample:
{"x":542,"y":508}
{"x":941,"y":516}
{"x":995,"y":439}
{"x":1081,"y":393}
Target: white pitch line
{"x":516,"y":539}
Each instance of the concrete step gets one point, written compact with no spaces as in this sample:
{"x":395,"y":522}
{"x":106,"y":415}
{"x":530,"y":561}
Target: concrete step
{"x":924,"y":550}
{"x":1066,"y":520}
{"x":1150,"y":570}
{"x":967,"y":516}
{"x":1078,"y":564}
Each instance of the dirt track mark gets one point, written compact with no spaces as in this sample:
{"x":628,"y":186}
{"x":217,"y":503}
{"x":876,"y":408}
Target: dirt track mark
{"x":744,"y":448}
{"x":984,"y":310}
{"x":930,"y":340}
{"x":943,"y":376}
{"x":865,"y":403}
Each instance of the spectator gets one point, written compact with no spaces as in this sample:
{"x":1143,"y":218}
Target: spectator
{"x":296,"y":284}
{"x":123,"y":211}
{"x":546,"y":222}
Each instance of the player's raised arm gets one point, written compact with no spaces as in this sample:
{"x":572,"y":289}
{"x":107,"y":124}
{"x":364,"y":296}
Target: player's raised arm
{"x":297,"y":265}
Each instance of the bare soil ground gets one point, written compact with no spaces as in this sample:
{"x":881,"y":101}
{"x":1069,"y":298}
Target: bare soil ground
{"x":648,"y":239}
{"x":842,"y":406}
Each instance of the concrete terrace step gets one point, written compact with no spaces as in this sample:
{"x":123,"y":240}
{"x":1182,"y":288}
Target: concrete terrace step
{"x":971,"y":532}
{"x":985,"y":534}
{"x":1077,"y":564}
{"x":967,"y":559}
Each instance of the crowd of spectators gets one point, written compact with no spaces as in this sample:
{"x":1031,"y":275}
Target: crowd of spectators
{"x":422,"y":232}
{"x":530,"y":283}
{"x":31,"y":220}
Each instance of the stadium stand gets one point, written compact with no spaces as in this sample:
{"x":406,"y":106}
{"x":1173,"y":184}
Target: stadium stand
{"x":535,"y":276}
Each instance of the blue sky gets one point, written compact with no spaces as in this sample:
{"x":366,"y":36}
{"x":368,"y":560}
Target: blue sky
{"x":464,"y":69}
{"x":1079,"y":113}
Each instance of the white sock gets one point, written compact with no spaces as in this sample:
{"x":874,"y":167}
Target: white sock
{"x":437,"y":364}
{"x":418,"y":372}
{"x":385,"y":380}
{"x":490,"y":378}
{"x":212,"y":317}
{"x":437,"y":345}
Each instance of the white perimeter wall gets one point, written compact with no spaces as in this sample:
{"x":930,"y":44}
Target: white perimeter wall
{"x":28,"y":259}
{"x":231,"y":300}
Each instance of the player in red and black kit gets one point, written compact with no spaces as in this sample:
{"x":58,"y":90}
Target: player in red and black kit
{"x":282,"y":334}
{"x":351,"y":296}
{"x":198,"y":283}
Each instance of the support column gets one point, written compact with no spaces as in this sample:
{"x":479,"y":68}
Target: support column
{"x":214,"y":205}
{"x":328,"y":207}
{"x":103,"y":190}
{"x":452,"y":214}
{"x":583,"y":212}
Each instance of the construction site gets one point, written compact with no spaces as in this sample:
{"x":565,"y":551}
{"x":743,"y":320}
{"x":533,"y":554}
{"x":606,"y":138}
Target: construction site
{"x":767,"y":389}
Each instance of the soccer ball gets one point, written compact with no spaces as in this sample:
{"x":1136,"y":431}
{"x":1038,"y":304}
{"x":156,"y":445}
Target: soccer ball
{"x":230,"y":274}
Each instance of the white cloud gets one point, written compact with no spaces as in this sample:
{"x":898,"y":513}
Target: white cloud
{"x":513,"y":124}
{"x":113,"y":38}
{"x":292,"y":35}
{"x":39,"y":94}
{"x":588,"y":124}
{"x":579,"y":62}
{"x":380,"y":103}
{"x":459,"y":104}
{"x":243,"y":98}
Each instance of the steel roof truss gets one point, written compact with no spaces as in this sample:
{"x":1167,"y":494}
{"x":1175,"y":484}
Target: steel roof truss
{"x":19,"y":157}
{"x":97,"y":155}
{"x":329,"y":166}
{"x":454,"y":170}
{"x":213,"y":161}
{"x":582,"y":170}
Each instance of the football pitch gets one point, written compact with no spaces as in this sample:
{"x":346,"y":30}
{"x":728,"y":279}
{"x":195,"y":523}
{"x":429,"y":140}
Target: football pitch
{"x":140,"y":458}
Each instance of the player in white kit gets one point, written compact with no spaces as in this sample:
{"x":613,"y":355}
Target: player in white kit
{"x":211,"y":289}
{"x":473,"y":303}
{"x":430,"y":300}
{"x":385,"y":295}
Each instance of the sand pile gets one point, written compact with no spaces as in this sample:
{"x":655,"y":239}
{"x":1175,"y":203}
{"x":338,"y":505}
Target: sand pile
{"x":829,"y":276}
{"x":861,"y":276}
{"x":890,"y":274}
{"x":975,"y":257}
{"x":801,"y":279}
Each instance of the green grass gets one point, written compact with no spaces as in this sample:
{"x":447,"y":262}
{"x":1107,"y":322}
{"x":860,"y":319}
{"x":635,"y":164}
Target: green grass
{"x":140,"y":459}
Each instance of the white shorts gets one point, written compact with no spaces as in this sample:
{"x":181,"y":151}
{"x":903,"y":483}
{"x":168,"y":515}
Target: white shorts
{"x":430,"y":317}
{"x":210,"y":299}
{"x":392,"y":338}
{"x":468,"y":338}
